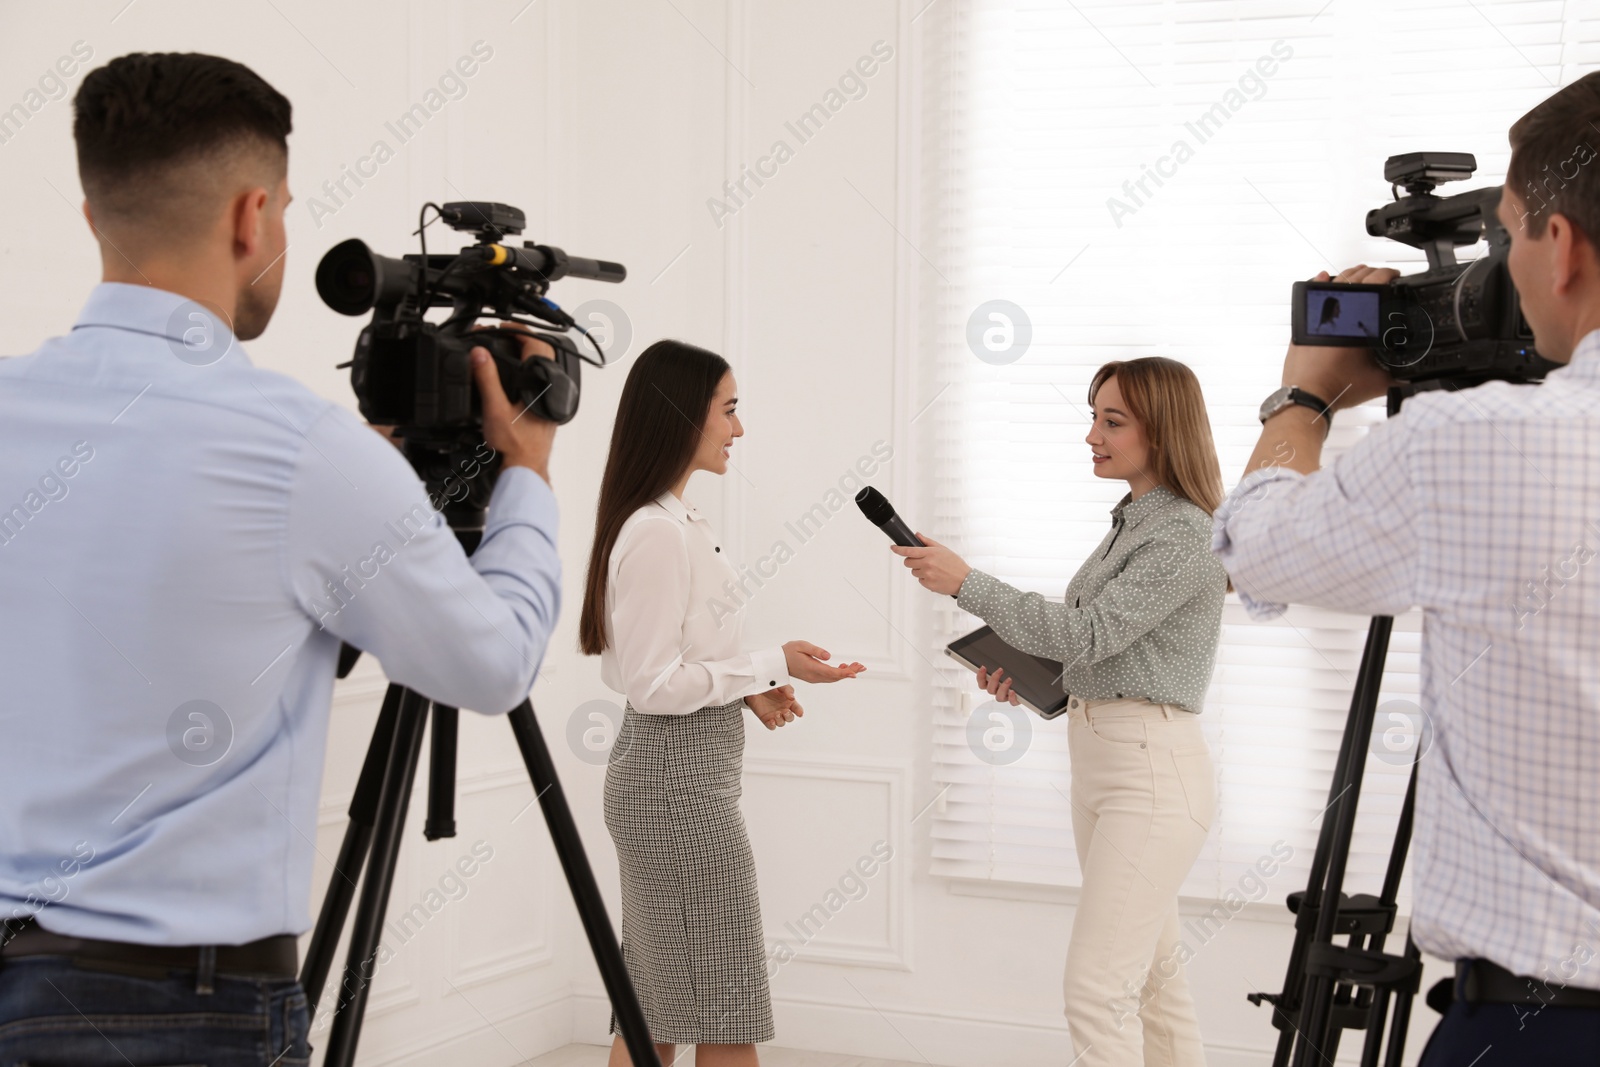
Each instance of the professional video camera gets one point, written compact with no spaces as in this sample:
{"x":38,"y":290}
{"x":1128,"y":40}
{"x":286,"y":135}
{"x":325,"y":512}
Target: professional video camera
{"x":416,"y":375}
{"x":1459,"y":323}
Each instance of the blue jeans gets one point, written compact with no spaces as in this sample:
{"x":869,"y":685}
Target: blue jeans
{"x":1507,"y":1035}
{"x":54,"y":1013}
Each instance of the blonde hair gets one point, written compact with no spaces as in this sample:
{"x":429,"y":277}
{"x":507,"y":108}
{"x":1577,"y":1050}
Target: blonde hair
{"x":1164,"y":396}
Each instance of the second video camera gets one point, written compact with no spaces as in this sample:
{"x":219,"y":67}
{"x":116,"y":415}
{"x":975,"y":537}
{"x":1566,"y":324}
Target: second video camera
{"x":1459,"y":323}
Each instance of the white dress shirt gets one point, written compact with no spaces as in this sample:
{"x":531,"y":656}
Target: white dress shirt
{"x":673,"y":642}
{"x":1483,"y":507}
{"x":184,"y":540}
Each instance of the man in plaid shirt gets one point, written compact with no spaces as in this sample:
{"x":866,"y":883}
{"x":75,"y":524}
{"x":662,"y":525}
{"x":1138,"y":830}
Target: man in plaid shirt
{"x":1482,"y":506}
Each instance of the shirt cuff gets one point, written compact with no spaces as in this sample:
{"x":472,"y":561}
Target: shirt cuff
{"x":1228,"y":523}
{"x":520,"y":492}
{"x":977,"y":591}
{"x":770,"y":667}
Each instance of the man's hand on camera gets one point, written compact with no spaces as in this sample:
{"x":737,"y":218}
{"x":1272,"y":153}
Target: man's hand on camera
{"x":1343,"y":377}
{"x":521,"y":437}
{"x":1340,"y":377}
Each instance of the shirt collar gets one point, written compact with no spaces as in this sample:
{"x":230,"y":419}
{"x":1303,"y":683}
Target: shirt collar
{"x":194,"y":332}
{"x":681,"y":510}
{"x":1130,"y":511}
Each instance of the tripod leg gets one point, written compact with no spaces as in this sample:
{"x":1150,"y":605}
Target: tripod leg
{"x":388,"y":824}
{"x":1291,"y":1002}
{"x":441,"y":820}
{"x":585,"y":893}
{"x":352,"y":854}
{"x":1391,"y":890}
{"x":1319,"y":989}
{"x":1377,"y":1015}
{"x":1280,"y":1055}
{"x":1402,"y":1012}
{"x":1378,"y":1010}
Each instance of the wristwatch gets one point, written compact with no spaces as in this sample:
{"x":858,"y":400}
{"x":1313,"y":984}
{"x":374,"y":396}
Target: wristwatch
{"x":1293,"y":394}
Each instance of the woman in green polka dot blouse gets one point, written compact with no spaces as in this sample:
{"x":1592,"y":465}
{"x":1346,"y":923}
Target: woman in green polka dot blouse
{"x":1138,"y":636}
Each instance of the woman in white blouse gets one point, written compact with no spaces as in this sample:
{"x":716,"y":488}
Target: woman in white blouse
{"x":655,"y":612}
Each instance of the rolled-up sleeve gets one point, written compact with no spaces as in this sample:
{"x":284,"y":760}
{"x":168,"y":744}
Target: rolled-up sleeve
{"x":371,"y":561}
{"x":1344,"y":538}
{"x":651,"y":589}
{"x":1157,"y":579}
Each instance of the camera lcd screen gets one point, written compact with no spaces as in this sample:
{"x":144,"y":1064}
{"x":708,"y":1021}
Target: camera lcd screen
{"x":1341,"y":313}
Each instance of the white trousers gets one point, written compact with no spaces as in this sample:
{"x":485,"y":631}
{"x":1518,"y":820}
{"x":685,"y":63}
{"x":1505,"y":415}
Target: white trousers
{"x":1143,"y":795}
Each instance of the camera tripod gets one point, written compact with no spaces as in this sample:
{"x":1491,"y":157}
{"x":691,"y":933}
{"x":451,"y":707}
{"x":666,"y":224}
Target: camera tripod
{"x":1331,"y":988}
{"x":372,"y":840}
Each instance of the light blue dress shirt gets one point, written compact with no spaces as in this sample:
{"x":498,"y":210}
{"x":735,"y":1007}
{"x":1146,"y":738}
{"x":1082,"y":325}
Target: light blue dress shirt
{"x":185,"y":538}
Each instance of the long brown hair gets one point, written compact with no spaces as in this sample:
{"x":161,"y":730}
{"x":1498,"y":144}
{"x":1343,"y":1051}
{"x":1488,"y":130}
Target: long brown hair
{"x":659,"y":419}
{"x":1164,"y":395}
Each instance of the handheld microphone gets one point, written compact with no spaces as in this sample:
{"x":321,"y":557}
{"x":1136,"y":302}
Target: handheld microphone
{"x":881,"y":514}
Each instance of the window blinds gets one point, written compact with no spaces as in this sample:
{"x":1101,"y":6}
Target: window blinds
{"x":1148,"y":178}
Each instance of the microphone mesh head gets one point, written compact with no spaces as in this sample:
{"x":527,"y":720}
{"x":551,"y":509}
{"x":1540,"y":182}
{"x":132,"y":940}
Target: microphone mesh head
{"x":874,"y":506}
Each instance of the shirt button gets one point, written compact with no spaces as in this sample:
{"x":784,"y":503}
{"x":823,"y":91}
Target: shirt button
{"x":773,"y":682}
{"x":719,"y":548}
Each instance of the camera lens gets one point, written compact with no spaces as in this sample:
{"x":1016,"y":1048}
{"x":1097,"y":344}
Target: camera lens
{"x":347,"y":278}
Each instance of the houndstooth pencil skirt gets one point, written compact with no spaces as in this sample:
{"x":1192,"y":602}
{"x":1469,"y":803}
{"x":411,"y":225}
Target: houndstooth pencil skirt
{"x":691,"y":916}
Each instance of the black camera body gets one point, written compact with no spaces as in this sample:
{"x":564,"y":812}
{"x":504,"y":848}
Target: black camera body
{"x":416,"y":375}
{"x":1459,"y":323}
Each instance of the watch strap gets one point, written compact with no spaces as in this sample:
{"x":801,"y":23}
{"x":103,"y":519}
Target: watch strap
{"x":1297,"y":395}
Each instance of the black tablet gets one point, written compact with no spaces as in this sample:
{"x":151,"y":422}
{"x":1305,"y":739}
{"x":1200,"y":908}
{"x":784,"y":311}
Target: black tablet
{"x":1035,"y":680}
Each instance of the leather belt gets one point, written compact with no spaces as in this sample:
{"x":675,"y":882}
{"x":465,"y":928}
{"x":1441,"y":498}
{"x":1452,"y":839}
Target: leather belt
{"x":275,"y":957}
{"x":1479,"y":981}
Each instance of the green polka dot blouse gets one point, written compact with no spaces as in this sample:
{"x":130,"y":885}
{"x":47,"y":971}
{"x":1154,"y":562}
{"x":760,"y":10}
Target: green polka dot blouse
{"x":1142,"y":616}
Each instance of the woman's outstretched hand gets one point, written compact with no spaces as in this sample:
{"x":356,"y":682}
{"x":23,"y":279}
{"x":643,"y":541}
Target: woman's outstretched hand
{"x":936,"y":567}
{"x":775,"y":707}
{"x":806,"y":662}
{"x":991,"y":684}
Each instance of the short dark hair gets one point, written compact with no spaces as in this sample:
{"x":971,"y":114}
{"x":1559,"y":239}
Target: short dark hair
{"x":1553,"y":159}
{"x":144,"y":115}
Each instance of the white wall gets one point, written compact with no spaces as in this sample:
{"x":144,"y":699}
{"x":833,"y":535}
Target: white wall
{"x":612,"y":122}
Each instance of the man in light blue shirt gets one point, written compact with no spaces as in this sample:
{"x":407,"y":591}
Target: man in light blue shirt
{"x":185,"y":539}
